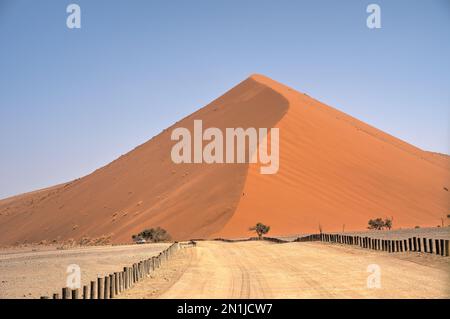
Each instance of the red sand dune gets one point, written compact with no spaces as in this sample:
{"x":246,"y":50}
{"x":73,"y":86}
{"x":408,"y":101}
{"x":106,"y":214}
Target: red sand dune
{"x":334,"y":170}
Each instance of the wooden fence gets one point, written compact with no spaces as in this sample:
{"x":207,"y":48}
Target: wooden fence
{"x":272,"y":239}
{"x":114,"y":284}
{"x":414,"y":244}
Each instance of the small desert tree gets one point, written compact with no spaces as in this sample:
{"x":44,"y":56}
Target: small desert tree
{"x":376,"y":224}
{"x":155,"y":235}
{"x":379,"y":223}
{"x":388,"y":223}
{"x":260,"y":229}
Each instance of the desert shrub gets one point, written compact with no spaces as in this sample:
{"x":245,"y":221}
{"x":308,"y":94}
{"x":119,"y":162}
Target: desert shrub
{"x":376,"y":224}
{"x":379,"y":223}
{"x":388,"y":223}
{"x":153,"y":235}
{"x":260,"y":229}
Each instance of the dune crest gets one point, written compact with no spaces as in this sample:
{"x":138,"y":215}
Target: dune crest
{"x":334,"y":170}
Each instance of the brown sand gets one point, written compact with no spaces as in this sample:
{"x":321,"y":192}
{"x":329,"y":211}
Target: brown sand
{"x":334,"y":170}
{"x":294,"y":270}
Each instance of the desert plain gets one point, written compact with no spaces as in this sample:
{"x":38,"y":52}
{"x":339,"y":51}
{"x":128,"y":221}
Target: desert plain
{"x":250,"y":269}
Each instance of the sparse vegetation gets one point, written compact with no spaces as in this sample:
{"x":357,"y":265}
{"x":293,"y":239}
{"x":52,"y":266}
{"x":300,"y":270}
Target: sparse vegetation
{"x":388,"y":223}
{"x":380,"y":224}
{"x":153,"y":235}
{"x":260,"y":229}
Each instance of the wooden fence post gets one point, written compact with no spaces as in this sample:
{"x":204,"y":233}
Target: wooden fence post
{"x":116,"y":285}
{"x":447,"y":248}
{"x":112,"y":286}
{"x":410,"y":244}
{"x":93,"y":289}
{"x":66,"y":293}
{"x":437,"y":247}
{"x":442,"y":248}
{"x":430,"y":241}
{"x":139,"y":270}
{"x":120,"y":281}
{"x":107,"y":288}
{"x":131,"y":276}
{"x":419,"y":245}
{"x":85,"y":292}
{"x":137,"y":273}
{"x":100,"y":288}
{"x":126,"y":279}
{"x":75,"y":293}
{"x":136,"y":269}
{"x":425,"y":249}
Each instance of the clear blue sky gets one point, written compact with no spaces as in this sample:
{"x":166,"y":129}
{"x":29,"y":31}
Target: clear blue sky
{"x":74,"y":100}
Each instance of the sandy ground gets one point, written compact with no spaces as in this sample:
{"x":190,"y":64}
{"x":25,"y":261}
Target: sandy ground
{"x":25,"y":273}
{"x":294,"y":270}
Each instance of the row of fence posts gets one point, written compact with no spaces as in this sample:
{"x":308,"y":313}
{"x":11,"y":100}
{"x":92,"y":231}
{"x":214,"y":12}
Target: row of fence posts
{"x":272,"y":239}
{"x":114,"y":284}
{"x":414,"y":244}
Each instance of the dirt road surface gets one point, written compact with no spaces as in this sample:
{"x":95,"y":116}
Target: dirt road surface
{"x":295,"y":270}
